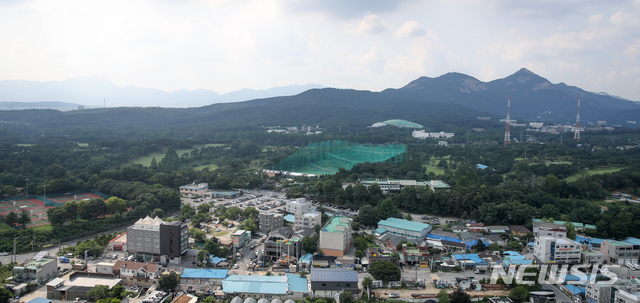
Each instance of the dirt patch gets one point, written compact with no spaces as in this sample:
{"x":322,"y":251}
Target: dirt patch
{"x":430,"y":289}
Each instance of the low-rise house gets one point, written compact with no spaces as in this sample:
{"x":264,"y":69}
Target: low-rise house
{"x":79,"y":284}
{"x":497,"y":229}
{"x":137,"y":273}
{"x":329,"y":282}
{"x":185,"y":298}
{"x":197,"y":277}
{"x":391,"y":241}
{"x":459,"y":228}
{"x":495,"y":239}
{"x":375,"y":254}
{"x":519,"y":230}
{"x":283,"y":241}
{"x":444,"y":233}
{"x":476,"y":227}
{"x":42,"y":268}
{"x":193,"y":190}
{"x":592,"y":257}
{"x":469,"y":236}
{"x":104,"y":268}
{"x":119,"y":243}
{"x":416,"y":255}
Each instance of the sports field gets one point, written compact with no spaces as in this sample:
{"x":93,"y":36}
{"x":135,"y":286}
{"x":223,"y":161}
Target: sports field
{"x":36,"y":207}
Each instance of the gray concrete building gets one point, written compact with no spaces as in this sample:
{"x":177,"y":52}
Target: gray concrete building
{"x":151,"y":238}
{"x":329,"y":281}
{"x":269,"y":221}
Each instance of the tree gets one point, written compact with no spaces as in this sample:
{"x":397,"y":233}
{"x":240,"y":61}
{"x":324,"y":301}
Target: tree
{"x":571,"y":231}
{"x":366,"y":283}
{"x":168,"y":281}
{"x":233,"y":213}
{"x":480,"y":246}
{"x":198,"y":235}
{"x":157,"y":213}
{"x":198,"y":218}
{"x":443,"y":296}
{"x":116,"y":205}
{"x":154,"y":164}
{"x":203,"y":257}
{"x":329,"y":187}
{"x":250,"y":212}
{"x":187,"y":211}
{"x":24,"y":218}
{"x":346,"y":297}
{"x":11,"y":219}
{"x":355,"y":226}
{"x":387,"y":209}
{"x":408,"y":217}
{"x":367,"y":216}
{"x":56,"y":215}
{"x":359,"y":254}
{"x":213,"y":247}
{"x":118,"y":291}
{"x":460,"y":296}
{"x":385,"y":271}
{"x":204,"y":208}
{"x":170,"y":161}
{"x":309,"y":244}
{"x":494,"y":247}
{"x":99,"y":292}
{"x":71,"y":208}
{"x":519,"y":293}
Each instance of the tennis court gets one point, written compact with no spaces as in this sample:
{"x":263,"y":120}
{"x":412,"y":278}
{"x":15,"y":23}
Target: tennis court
{"x":35,"y":205}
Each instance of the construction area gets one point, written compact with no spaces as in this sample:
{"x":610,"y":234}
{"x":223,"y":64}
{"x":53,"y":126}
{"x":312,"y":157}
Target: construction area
{"x":326,"y":158}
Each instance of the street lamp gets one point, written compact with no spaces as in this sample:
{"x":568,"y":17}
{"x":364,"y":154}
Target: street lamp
{"x":27,"y":180}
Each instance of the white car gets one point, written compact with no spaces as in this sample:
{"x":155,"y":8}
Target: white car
{"x":4,"y":253}
{"x":236,"y":266}
{"x":394,"y":295}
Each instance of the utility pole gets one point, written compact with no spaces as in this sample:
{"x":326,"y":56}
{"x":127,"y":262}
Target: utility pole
{"x":15,"y":258}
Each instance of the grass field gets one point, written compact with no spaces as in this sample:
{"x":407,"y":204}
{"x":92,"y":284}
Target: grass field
{"x":146,"y":160}
{"x":558,"y":162}
{"x":595,"y":171}
{"x":437,"y":171}
{"x":222,"y":233}
{"x":201,"y":167}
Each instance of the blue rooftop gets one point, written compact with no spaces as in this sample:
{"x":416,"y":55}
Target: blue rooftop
{"x":481,"y":166}
{"x":40,"y":300}
{"x":216,"y":260}
{"x":197,"y":273}
{"x":275,"y":285}
{"x":470,"y":259}
{"x":380,"y":230}
{"x":289,"y":218}
{"x":632,"y":241}
{"x":576,"y":290}
{"x":403,"y":224}
{"x":438,"y":237}
{"x":306,"y":259}
{"x":297,"y":283}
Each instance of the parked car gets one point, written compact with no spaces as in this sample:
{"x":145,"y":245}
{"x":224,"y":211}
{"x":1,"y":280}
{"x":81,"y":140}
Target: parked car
{"x":394,"y":295}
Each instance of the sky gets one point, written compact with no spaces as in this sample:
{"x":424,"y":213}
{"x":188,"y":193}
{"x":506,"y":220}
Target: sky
{"x":227,"y":45}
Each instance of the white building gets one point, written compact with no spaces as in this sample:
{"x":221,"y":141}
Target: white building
{"x":297,"y":205}
{"x":549,"y":230}
{"x":192,"y":190}
{"x":308,"y":219}
{"x":617,"y":252}
{"x":627,"y":297}
{"x":595,"y":293}
{"x":104,"y":268}
{"x":421,"y":134}
{"x":556,"y":250}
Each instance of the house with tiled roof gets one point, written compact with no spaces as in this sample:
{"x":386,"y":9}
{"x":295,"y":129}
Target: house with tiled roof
{"x":137,"y":273}
{"x":519,"y":230}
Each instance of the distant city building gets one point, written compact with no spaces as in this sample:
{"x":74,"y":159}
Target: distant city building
{"x":421,"y":134}
{"x":335,"y":237}
{"x":269,"y":221}
{"x":484,"y":118}
{"x":193,"y":190}
{"x":536,"y":124}
{"x":388,"y":185}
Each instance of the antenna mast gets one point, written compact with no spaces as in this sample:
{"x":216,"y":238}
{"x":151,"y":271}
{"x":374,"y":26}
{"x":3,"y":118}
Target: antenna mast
{"x":507,"y":134}
{"x":576,"y":134}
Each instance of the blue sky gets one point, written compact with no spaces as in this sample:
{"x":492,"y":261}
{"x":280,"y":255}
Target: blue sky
{"x":361,"y":44}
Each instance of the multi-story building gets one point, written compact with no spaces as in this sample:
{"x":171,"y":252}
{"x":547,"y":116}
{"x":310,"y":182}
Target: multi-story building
{"x":556,"y":250}
{"x":269,"y":221}
{"x":617,"y":252}
{"x":308,"y":219}
{"x":416,"y":255}
{"x":137,"y":273}
{"x":596,"y":292}
{"x":406,"y":228}
{"x":240,"y":238}
{"x":38,"y":270}
{"x":192,"y":190}
{"x":119,"y":243}
{"x":549,"y":230}
{"x":335,"y":237}
{"x":296,"y":205}
{"x":151,"y":238}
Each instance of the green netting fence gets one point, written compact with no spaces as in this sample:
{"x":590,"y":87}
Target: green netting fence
{"x":328,"y":156}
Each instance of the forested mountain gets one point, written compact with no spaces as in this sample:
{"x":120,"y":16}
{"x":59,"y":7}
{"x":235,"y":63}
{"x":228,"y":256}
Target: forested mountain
{"x":532,"y":97}
{"x":451,"y":100}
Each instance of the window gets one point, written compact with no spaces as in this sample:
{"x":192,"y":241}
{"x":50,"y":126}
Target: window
{"x":348,"y":285}
{"x":155,"y":235}
{"x":139,"y":244}
{"x":147,"y":239}
{"x":156,"y":250}
{"x":157,"y":246}
{"x":139,"y":238}
{"x":337,"y":285}
{"x":156,"y":240}
{"x":147,"y":234}
{"x":139,"y":233}
{"x":147,"y":245}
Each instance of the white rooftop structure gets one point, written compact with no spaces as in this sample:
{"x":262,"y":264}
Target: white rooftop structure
{"x":149,"y":223}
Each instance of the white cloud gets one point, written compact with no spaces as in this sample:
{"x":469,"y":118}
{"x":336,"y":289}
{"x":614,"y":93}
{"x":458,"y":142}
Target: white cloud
{"x":371,"y":24}
{"x":411,"y":29}
{"x":371,"y":62}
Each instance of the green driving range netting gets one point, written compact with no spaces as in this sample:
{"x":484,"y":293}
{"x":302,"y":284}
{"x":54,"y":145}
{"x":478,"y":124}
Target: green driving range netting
{"x":322,"y":158}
